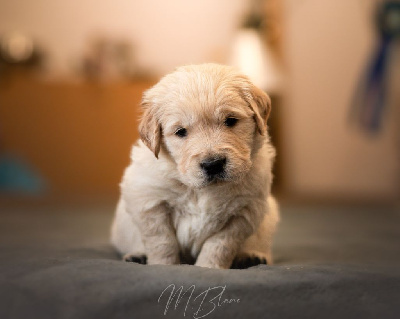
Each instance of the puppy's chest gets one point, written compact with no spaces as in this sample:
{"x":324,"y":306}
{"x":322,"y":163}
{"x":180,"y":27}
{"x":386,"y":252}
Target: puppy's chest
{"x":195,"y":218}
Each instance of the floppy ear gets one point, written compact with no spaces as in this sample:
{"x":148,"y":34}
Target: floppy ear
{"x":150,"y":129}
{"x":260,"y":104}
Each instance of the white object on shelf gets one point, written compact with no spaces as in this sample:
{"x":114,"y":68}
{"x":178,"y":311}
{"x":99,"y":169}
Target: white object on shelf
{"x":255,"y":59}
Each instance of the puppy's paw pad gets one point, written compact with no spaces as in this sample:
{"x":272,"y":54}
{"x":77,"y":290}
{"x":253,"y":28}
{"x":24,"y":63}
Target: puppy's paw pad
{"x":138,"y":259}
{"x":243,"y":262}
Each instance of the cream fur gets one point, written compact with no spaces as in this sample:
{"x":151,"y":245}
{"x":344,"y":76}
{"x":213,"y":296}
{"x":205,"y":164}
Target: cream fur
{"x":169,"y":210}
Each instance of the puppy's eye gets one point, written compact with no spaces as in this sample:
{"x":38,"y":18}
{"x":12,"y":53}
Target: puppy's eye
{"x":181,"y":132}
{"x":231,"y":121}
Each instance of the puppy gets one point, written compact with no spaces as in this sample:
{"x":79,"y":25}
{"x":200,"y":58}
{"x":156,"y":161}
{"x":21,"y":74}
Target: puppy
{"x":198,"y":187}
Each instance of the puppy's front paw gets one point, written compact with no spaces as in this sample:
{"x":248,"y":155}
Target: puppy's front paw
{"x":139,"y":259}
{"x":246,"y":261}
{"x":209,"y":265}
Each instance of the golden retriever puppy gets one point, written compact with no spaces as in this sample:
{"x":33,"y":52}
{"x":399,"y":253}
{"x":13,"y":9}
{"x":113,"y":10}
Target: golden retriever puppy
{"x":198,"y":187}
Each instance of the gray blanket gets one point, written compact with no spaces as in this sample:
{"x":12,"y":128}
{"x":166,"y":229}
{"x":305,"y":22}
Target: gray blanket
{"x":330,"y":262}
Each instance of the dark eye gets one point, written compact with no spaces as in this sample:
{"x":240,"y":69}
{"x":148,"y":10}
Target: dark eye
{"x":181,"y":132}
{"x":231,"y":121}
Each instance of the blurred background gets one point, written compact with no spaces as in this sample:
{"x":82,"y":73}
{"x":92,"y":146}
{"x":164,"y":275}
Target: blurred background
{"x":72,"y":75}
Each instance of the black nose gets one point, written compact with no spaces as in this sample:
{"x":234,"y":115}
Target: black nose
{"x":213,"y":166}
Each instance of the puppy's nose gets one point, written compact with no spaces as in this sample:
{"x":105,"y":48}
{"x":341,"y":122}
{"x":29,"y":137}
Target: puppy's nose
{"x":213,"y":166}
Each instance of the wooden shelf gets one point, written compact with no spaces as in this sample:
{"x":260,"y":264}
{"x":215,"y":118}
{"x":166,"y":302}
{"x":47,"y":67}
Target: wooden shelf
{"x":76,"y":135}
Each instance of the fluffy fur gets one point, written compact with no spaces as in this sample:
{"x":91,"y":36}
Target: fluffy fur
{"x":171,"y":210}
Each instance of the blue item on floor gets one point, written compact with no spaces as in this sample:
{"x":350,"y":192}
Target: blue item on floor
{"x":16,"y":176}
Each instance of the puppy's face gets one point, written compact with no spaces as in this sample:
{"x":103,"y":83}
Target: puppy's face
{"x":209,"y":119}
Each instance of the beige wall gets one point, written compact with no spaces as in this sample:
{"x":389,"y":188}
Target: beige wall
{"x":167,"y":33}
{"x":326,"y":47}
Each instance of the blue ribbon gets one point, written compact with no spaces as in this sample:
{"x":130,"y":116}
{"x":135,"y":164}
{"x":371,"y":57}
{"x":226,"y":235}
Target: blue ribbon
{"x":370,"y":99}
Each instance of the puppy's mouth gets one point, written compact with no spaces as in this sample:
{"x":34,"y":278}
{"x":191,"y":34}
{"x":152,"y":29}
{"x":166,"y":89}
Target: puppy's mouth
{"x":215,"y":179}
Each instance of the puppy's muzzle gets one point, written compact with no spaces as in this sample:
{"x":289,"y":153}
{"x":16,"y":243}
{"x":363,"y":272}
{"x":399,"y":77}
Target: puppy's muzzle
{"x":214,"y":167}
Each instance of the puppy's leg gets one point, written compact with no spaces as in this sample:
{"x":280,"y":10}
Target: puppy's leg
{"x":248,"y":259}
{"x":125,"y":235}
{"x":257,"y":249}
{"x":219,"y":250}
{"x":158,"y":236}
{"x":135,"y":258}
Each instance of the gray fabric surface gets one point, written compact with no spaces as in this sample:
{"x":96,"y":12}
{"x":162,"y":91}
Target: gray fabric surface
{"x":331,"y":262}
